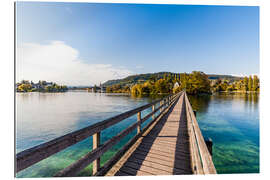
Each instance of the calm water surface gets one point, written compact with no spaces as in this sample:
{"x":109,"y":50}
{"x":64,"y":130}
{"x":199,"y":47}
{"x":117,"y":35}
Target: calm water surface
{"x":231,"y":121}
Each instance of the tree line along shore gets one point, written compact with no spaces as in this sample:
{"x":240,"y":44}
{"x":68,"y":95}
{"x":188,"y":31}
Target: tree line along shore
{"x":41,"y":86}
{"x":194,"y":83}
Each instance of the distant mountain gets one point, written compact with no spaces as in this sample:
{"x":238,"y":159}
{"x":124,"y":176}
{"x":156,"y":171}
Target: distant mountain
{"x":133,"y":79}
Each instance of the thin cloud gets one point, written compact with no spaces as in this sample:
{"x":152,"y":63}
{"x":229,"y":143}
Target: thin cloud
{"x":60,"y":63}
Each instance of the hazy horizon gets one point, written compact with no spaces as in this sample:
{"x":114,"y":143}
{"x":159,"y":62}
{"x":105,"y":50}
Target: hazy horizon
{"x":88,"y":43}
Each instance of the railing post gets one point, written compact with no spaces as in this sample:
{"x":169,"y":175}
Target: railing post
{"x":153,"y":109}
{"x":139,"y":122}
{"x":96,"y":144}
{"x":160,"y":104}
{"x":209,"y":144}
{"x":195,"y":113}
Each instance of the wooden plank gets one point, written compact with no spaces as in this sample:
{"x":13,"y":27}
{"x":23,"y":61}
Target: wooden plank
{"x":149,"y":169}
{"x":165,"y":154}
{"x":171,"y":158}
{"x":166,"y":165}
{"x":171,"y":164}
{"x":166,"y":150}
{"x":155,"y":165}
{"x":135,"y":172}
{"x":152,"y":155}
{"x":169,"y":144}
{"x":120,"y":173}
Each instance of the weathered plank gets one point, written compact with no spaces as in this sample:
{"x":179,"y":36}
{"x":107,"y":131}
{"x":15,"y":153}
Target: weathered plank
{"x":134,"y":172}
{"x":146,"y":168}
{"x":158,"y":166}
{"x":167,"y":150}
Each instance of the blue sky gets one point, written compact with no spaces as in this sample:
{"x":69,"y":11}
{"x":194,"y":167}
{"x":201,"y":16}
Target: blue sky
{"x":86,"y":43}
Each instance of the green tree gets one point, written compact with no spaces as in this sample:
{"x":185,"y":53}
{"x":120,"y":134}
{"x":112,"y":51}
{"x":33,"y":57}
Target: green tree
{"x":161,"y":86}
{"x":230,"y":88}
{"x":250,"y":83}
{"x":255,"y":83}
{"x":238,"y":85}
{"x":198,"y":83}
{"x":24,"y":88}
{"x":152,"y":79}
{"x":136,"y":89}
{"x":95,"y":88}
{"x":245,"y":84}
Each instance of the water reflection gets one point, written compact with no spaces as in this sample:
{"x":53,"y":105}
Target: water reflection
{"x":199,"y":103}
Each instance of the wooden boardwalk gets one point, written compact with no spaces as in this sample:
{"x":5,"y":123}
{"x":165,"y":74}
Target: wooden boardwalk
{"x":164,"y":150}
{"x":170,"y":144}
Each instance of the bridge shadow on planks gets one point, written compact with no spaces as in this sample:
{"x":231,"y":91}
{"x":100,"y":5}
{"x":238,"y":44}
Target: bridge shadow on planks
{"x":164,"y":150}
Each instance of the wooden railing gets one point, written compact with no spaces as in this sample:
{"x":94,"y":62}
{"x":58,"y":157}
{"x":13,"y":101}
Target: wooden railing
{"x":201,"y":160}
{"x":33,"y":155}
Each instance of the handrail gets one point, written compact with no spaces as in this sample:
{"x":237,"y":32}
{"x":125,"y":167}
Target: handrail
{"x":76,"y":167}
{"x":35,"y":154}
{"x":201,"y":159}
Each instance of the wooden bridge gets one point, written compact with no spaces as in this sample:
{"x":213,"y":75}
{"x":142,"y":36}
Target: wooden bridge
{"x":170,"y":144}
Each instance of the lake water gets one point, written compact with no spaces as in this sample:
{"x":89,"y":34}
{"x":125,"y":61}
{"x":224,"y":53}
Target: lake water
{"x":231,"y":121}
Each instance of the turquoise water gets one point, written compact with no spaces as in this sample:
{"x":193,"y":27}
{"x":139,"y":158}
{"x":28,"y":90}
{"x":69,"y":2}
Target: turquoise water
{"x":232,"y":121}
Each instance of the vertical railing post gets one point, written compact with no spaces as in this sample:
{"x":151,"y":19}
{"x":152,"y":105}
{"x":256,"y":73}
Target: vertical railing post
{"x":195,"y":113}
{"x":139,"y":122}
{"x":209,"y":144}
{"x":96,"y":144}
{"x":153,"y":109}
{"x":160,"y":104}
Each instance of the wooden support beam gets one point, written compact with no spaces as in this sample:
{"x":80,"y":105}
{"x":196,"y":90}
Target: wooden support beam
{"x":96,"y":144}
{"x":153,"y":109}
{"x":139,"y":119}
{"x":195,"y":113}
{"x":209,"y":144}
{"x":160,"y":106}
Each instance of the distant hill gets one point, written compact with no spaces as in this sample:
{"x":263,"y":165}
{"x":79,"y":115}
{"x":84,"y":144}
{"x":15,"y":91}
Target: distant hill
{"x":228,"y":77}
{"x":133,"y":79}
